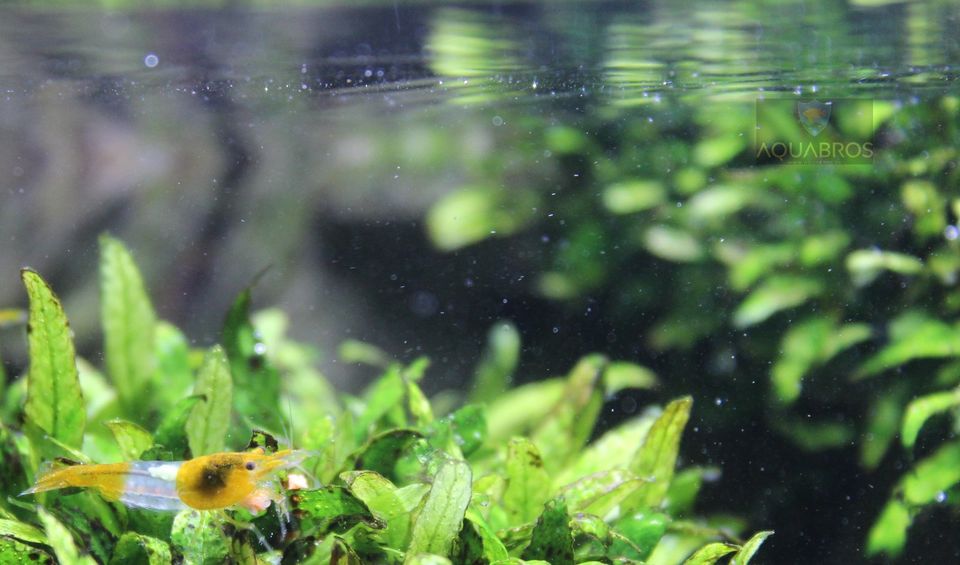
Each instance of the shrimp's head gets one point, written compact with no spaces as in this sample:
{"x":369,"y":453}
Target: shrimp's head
{"x":222,"y":480}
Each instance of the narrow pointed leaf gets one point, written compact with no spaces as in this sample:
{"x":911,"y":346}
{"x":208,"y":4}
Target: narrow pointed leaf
{"x":774,"y":295}
{"x":749,"y":549}
{"x":257,"y":382}
{"x":494,"y":374}
{"x":441,"y":517}
{"x":922,"y":409}
{"x":528,"y":484}
{"x":932,"y":476}
{"x":710,"y":554}
{"x":571,"y":420}
{"x":615,"y":448}
{"x":128,"y":327}
{"x":21,"y":531}
{"x":173,"y":371}
{"x":54,"y":405}
{"x":657,"y":458}
{"x":61,"y":541}
{"x":210,"y":418}
{"x":889,"y":533}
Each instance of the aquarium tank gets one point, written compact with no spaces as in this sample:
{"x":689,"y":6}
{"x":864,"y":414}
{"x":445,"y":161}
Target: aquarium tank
{"x":423,"y":282}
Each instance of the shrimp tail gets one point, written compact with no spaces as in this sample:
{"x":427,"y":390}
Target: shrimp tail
{"x":108,"y":479}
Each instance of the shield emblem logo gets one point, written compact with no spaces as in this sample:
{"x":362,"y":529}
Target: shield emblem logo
{"x":814,"y":115}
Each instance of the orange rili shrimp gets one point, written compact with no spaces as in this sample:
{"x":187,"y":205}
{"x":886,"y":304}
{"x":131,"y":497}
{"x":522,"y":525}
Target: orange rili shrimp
{"x":210,"y":482}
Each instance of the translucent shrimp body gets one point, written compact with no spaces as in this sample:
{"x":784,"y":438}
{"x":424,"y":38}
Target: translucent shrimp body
{"x":210,"y":482}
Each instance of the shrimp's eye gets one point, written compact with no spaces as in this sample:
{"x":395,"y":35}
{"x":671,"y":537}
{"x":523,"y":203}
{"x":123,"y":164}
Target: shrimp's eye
{"x":250,"y":465}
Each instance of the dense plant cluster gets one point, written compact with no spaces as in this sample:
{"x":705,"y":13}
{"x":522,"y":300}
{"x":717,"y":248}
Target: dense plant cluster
{"x":835,"y":284}
{"x":502,"y":476}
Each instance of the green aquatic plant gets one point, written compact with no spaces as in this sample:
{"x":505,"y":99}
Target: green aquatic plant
{"x":513,"y":476}
{"x":835,"y":285}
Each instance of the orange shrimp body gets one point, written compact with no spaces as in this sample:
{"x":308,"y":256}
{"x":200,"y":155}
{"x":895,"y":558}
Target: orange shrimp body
{"x":209,"y":482}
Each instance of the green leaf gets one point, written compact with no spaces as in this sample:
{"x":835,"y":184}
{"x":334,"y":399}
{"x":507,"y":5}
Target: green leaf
{"x":749,"y":549}
{"x":641,"y":533}
{"x":386,"y":394}
{"x":494,"y":373}
{"x":383,"y":500}
{"x":173,"y":364}
{"x":427,"y":559}
{"x":198,"y":538}
{"x":672,"y":244}
{"x":15,"y":551}
{"x":747,"y":267}
{"x":808,"y":344}
{"x":442,"y":514}
{"x":135,"y":549}
{"x":519,"y":410}
{"x":474,"y":213}
{"x":172,"y":431}
{"x":865,"y":265}
{"x":60,"y":539}
{"x":718,"y":202}
{"x":601,"y":493}
{"x":333,"y":507}
{"x":98,"y":394}
{"x":570,"y":422}
{"x":354,"y":351}
{"x":492,"y":548}
{"x":632,"y":196}
{"x":129,"y":323}
{"x":913,"y":335}
{"x":921,"y":409}
{"x":823,"y":247}
{"x":615,"y":448}
{"x":23,"y":532}
{"x":256,"y":381}
{"x":889,"y":533}
{"x":883,"y":420}
{"x":815,"y":435}
{"x":684,"y":489}
{"x":552,"y":539}
{"x":710,"y":554}
{"x":775,"y":294}
{"x":465,"y":429}
{"x":712,"y":152}
{"x":132,"y":439}
{"x":421,"y":413}
{"x":528,"y":484}
{"x":92,"y":519}
{"x":383,"y":451}
{"x":621,"y":375}
{"x":54,"y":405}
{"x":928,"y":206}
{"x":932,"y":476}
{"x":210,"y":418}
{"x":657,"y":458}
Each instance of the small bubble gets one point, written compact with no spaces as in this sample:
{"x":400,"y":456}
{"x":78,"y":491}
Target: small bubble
{"x":556,"y":330}
{"x":151,"y":60}
{"x":941,"y":497}
{"x":259,"y":348}
{"x":497,"y":121}
{"x":951,"y":233}
{"x":718,"y":401}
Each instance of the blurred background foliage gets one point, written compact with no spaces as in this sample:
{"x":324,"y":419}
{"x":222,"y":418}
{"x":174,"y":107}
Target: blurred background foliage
{"x":414,"y":174}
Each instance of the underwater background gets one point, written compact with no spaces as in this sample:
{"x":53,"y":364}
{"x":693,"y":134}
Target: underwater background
{"x":416,"y":175}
